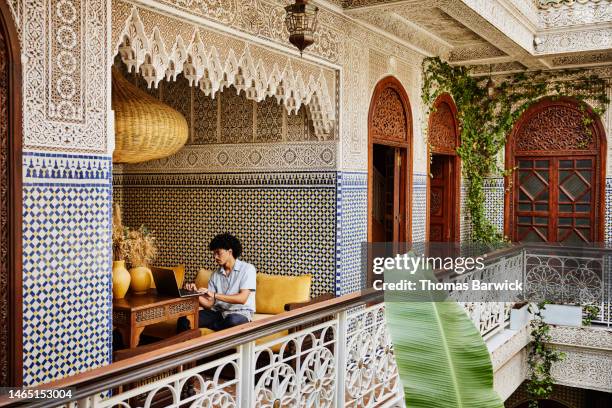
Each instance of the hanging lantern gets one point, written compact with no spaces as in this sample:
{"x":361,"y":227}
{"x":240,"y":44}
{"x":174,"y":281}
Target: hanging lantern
{"x":301,"y":21}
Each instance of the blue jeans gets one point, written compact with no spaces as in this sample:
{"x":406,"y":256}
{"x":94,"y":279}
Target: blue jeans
{"x":213,"y":320}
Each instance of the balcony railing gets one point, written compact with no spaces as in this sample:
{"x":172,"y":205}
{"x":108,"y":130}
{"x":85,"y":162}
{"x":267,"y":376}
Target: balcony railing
{"x":335,"y":353}
{"x":557,"y":274}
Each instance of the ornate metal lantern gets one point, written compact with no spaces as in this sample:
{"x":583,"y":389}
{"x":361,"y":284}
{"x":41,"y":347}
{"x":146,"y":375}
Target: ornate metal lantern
{"x":301,"y":22}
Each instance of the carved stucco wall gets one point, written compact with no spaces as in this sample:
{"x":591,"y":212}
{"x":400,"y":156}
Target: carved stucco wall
{"x":360,"y":59}
{"x":66,"y":186}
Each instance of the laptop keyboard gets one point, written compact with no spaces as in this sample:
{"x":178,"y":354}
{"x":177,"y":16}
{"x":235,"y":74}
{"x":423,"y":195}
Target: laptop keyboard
{"x":185,"y":292}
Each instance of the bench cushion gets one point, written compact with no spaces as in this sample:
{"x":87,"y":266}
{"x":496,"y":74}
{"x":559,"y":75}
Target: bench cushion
{"x":275,"y":291}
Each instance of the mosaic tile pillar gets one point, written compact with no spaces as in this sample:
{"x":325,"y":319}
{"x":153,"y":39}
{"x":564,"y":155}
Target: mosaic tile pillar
{"x":494,"y":203}
{"x":608,"y":212}
{"x":352,"y":230}
{"x":494,"y":206}
{"x":419,"y":207}
{"x":67,"y":296}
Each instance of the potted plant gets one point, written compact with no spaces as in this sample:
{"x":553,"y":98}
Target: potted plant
{"x":121,"y":277}
{"x":140,"y":253}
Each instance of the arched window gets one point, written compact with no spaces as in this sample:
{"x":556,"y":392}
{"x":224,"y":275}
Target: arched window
{"x":557,"y":189}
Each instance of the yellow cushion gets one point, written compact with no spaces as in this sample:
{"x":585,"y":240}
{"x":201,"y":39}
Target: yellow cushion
{"x":202,"y":278}
{"x":179,"y":274}
{"x":274,"y":291}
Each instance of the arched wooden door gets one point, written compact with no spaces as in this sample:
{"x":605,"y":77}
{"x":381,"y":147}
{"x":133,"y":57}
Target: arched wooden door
{"x":10,"y":202}
{"x":389,"y":163}
{"x":445,"y":170}
{"x":557,"y":190}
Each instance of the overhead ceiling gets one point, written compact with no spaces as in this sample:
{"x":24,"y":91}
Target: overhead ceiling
{"x":502,"y":35}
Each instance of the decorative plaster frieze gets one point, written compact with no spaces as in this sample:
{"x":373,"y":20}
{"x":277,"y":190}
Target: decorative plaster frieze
{"x":574,"y":41}
{"x":247,"y":157}
{"x":165,"y":50}
{"x":584,"y":368}
{"x":594,"y":337}
{"x":398,"y":27}
{"x":504,"y":352}
{"x":577,"y":15}
{"x":65,"y":90}
{"x":545,"y":4}
{"x":264,"y":19}
{"x":604,"y":57}
{"x":469,"y":53}
{"x":496,"y":14}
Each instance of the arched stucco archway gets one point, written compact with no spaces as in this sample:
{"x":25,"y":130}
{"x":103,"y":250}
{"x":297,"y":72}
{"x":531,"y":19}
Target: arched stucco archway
{"x":389,"y":152}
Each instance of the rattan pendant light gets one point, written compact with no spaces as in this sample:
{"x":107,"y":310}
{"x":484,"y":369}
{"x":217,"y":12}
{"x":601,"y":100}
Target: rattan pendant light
{"x":145,"y":128}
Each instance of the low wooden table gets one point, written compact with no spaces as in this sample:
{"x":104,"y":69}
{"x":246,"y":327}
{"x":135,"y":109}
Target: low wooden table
{"x":135,"y":312}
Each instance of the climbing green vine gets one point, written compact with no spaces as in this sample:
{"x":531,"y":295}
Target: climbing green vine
{"x":540,"y":358}
{"x":487,"y":114}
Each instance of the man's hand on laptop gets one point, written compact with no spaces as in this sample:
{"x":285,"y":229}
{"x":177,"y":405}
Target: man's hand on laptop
{"x":193,"y":287}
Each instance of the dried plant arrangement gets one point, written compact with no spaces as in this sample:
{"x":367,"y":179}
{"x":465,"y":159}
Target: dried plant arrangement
{"x":141,"y":248}
{"x":135,"y":246}
{"x":120,"y":236}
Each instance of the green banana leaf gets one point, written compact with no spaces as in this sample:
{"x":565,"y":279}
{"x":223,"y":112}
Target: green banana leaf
{"x":442,"y":359}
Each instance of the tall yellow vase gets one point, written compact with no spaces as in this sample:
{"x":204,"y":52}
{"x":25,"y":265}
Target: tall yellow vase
{"x":121,"y":279}
{"x":141,"y":280}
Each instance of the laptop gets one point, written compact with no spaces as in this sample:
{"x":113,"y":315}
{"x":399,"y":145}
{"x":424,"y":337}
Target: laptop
{"x":166,"y":285}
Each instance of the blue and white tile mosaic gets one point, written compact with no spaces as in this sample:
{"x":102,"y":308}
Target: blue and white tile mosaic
{"x":494,"y":203}
{"x":494,"y":206}
{"x":67,"y":296}
{"x":352,"y":230}
{"x":286,"y":221}
{"x":419,"y":207}
{"x":608,"y":212}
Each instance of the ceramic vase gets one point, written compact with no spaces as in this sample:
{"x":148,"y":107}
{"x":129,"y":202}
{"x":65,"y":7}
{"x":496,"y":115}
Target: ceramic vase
{"x":121,"y":279}
{"x":141,"y":280}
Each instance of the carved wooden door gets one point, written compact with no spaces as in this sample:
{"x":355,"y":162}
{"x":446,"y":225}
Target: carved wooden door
{"x":555,"y":199}
{"x":441,"y":204}
{"x":389,"y":133}
{"x":557,"y":183}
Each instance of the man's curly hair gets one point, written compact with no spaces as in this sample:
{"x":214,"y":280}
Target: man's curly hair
{"x":226,"y":241}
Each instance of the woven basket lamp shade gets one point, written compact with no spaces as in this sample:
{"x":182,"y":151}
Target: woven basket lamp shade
{"x":145,"y":128}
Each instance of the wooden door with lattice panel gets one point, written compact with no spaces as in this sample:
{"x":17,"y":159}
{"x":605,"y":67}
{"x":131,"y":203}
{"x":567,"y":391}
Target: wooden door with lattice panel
{"x":557,"y":193}
{"x":441,"y":199}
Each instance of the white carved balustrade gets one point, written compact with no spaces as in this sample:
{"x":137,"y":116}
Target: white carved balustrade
{"x":341,"y":359}
{"x":489,"y":314}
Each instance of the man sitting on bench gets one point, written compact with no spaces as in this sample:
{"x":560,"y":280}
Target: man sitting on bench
{"x":229,"y":299}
